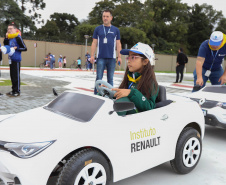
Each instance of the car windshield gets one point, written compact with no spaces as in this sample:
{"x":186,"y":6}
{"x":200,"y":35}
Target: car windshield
{"x":216,"y":89}
{"x":76,"y":106}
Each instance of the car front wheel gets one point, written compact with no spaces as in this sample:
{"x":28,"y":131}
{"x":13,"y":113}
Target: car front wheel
{"x":88,"y":166}
{"x":188,"y":151}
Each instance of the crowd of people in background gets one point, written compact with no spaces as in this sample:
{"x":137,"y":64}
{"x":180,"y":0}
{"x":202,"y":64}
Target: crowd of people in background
{"x":89,"y":65}
{"x":49,"y":61}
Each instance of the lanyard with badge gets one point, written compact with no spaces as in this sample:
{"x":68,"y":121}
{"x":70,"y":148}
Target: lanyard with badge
{"x":105,"y":39}
{"x":208,"y":72}
{"x":132,"y":82}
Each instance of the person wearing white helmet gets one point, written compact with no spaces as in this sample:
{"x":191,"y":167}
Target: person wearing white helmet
{"x":209,"y":61}
{"x":139,"y":84}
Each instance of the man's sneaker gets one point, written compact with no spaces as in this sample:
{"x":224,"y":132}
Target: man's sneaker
{"x":9,"y":93}
{"x":15,"y":94}
{"x":1,"y":94}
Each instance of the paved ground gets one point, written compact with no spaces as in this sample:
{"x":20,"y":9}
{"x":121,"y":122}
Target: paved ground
{"x":38,"y":91}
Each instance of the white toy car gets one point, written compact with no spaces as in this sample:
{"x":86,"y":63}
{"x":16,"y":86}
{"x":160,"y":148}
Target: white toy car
{"x":81,"y":140}
{"x":214,"y":106}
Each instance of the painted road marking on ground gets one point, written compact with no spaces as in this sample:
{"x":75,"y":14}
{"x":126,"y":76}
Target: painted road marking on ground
{"x":84,"y":89}
{"x":179,"y":85}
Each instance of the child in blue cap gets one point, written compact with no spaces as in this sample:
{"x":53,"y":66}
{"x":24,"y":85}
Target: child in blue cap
{"x":139,"y":84}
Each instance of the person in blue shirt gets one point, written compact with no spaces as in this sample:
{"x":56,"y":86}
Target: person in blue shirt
{"x":14,"y":40}
{"x":52,"y":61}
{"x":79,"y":62}
{"x":106,"y":39}
{"x":87,"y":60}
{"x":209,"y":61}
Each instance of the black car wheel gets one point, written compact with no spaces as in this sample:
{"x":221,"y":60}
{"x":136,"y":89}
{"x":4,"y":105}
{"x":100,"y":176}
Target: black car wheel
{"x":88,"y":166}
{"x":188,"y":151}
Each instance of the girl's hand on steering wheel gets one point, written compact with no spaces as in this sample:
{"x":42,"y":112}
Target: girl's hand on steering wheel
{"x":120,"y":93}
{"x":103,"y":85}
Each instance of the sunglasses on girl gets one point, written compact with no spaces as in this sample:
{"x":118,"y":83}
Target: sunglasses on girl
{"x":132,"y":58}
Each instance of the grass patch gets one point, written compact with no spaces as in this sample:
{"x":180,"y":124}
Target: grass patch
{"x":8,"y":83}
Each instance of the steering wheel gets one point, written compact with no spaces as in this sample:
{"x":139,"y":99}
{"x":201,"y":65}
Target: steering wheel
{"x":105,"y":90}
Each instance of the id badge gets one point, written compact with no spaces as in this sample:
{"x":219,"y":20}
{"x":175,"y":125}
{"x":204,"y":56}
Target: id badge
{"x":208,"y":72}
{"x":105,"y":40}
{"x":10,"y":62}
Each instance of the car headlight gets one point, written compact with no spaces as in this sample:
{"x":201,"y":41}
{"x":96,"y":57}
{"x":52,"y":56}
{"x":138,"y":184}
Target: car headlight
{"x":27,"y":150}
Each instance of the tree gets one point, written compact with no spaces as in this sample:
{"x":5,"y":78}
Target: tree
{"x":49,"y":31}
{"x":95,"y":16}
{"x":222,"y":25}
{"x":214,"y":16}
{"x":10,"y":12}
{"x":32,"y":6}
{"x":84,"y":29}
{"x":127,"y":13}
{"x":66,"y":24}
{"x":164,"y":22}
{"x":201,"y":23}
{"x":131,"y":36}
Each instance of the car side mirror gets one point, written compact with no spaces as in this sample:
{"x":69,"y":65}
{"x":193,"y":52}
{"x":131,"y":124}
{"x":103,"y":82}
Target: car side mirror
{"x":122,"y":106}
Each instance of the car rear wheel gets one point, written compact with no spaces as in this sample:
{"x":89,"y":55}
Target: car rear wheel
{"x":88,"y":166}
{"x":188,"y":151}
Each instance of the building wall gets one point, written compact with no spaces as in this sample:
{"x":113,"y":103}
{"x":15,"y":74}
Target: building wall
{"x":168,"y":63}
{"x":73,"y":51}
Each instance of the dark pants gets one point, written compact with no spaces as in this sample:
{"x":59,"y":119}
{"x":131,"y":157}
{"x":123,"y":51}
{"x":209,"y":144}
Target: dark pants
{"x":214,"y":77}
{"x":64,"y":65}
{"x":180,"y":69}
{"x":15,"y":76}
{"x":90,"y":65}
{"x":101,"y":64}
{"x":52,"y":64}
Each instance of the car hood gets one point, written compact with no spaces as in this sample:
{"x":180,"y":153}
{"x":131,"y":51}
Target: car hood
{"x":36,"y":125}
{"x":209,"y":96}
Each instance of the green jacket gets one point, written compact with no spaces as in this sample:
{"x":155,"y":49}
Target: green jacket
{"x":140,"y":101}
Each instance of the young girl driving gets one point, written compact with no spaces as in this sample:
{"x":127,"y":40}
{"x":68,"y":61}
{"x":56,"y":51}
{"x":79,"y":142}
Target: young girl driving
{"x":139,"y":84}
